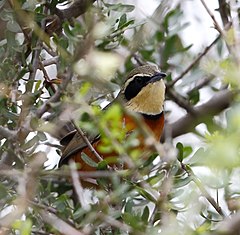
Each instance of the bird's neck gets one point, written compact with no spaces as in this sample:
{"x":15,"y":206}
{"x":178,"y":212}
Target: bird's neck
{"x":152,"y":117}
{"x":149,"y":100}
{"x":155,"y":123}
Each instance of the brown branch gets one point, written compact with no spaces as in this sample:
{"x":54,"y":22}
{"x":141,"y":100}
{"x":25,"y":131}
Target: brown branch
{"x":118,"y":224}
{"x":78,"y":186}
{"x":194,"y":62}
{"x":62,"y":226}
{"x":6,"y":133}
{"x":215,"y":105}
{"x":88,"y":143}
{"x":209,"y":198}
{"x":51,"y":61}
{"x":217,"y":26}
{"x":203,"y":190}
{"x":231,"y":44}
{"x":178,"y":99}
{"x":225,"y":13}
{"x":202,"y":83}
{"x":81,"y":174}
{"x":45,"y":107}
{"x":231,"y":225}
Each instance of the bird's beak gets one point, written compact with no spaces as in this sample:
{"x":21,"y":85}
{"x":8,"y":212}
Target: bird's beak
{"x":157,"y":77}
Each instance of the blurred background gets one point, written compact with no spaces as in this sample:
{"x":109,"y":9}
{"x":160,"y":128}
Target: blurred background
{"x":66,"y":60}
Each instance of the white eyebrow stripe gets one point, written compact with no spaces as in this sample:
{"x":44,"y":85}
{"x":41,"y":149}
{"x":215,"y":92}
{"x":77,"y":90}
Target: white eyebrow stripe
{"x":132,"y":78}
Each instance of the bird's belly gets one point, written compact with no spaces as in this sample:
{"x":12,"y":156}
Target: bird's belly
{"x":155,"y":126}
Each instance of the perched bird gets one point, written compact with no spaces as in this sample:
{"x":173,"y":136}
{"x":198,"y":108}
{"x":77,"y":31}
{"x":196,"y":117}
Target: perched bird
{"x":143,"y":92}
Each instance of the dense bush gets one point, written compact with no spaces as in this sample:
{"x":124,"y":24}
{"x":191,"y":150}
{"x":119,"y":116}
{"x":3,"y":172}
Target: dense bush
{"x":62,"y":61}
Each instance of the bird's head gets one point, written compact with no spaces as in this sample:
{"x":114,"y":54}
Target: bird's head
{"x":144,"y":90}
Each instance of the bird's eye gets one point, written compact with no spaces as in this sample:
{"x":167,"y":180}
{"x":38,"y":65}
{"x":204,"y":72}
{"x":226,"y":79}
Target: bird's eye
{"x":139,"y":79}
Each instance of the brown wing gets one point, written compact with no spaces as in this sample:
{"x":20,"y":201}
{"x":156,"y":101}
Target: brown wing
{"x":73,"y":143}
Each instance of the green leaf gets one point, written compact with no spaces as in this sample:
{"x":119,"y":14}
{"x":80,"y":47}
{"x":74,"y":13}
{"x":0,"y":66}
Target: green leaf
{"x":30,"y":143}
{"x":182,"y":182}
{"x":146,"y":194}
{"x":120,"y":7}
{"x":13,"y":26}
{"x":102,"y":165}
{"x":37,"y":85}
{"x":194,"y":97}
{"x":132,"y":220}
{"x":67,"y":30}
{"x":145,"y":214}
{"x":125,"y":25}
{"x":196,"y":159}
{"x":129,"y":206}
{"x":122,"y":20}
{"x":24,"y":227}
{"x":3,"y":192}
{"x":88,"y":160}
{"x":180,"y":151}
{"x":187,"y":150}
{"x":41,"y":136}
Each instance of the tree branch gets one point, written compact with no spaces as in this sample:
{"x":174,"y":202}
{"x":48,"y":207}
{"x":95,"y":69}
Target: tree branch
{"x":59,"y":224}
{"x":178,"y":99}
{"x":225,"y":13}
{"x":231,"y":225}
{"x":215,"y":105}
{"x":6,"y":133}
{"x":217,"y":26}
{"x":87,"y":142}
{"x":202,"y":83}
{"x":194,"y":62}
{"x":203,"y":190}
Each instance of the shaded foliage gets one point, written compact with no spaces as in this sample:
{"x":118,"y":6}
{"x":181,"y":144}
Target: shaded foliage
{"x":62,"y":61}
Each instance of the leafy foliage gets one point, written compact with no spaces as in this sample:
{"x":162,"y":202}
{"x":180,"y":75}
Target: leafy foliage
{"x":63,"y":61}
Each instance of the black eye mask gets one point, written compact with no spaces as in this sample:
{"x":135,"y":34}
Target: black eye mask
{"x":135,"y":86}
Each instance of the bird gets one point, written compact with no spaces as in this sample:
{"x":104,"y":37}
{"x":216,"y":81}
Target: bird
{"x":143,"y":93}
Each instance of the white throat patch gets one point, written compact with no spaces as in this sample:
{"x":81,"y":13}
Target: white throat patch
{"x":149,"y":100}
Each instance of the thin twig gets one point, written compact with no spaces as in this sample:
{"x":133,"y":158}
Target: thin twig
{"x":45,"y":74}
{"x":6,"y":133}
{"x":117,"y":224}
{"x":138,"y":59}
{"x":52,"y":145}
{"x":210,"y":199}
{"x":78,"y":187}
{"x":205,"y":193}
{"x":42,"y":206}
{"x":86,"y":140}
{"x":202,"y":83}
{"x":217,"y":26}
{"x":62,"y":226}
{"x":50,"y":51}
{"x":36,"y":57}
{"x":81,"y":174}
{"x":220,"y":101}
{"x":51,"y":61}
{"x":165,"y":189}
{"x":131,"y":164}
{"x":178,"y":99}
{"x":45,"y":107}
{"x":225,"y":13}
{"x":231,"y":45}
{"x":194,"y":62}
